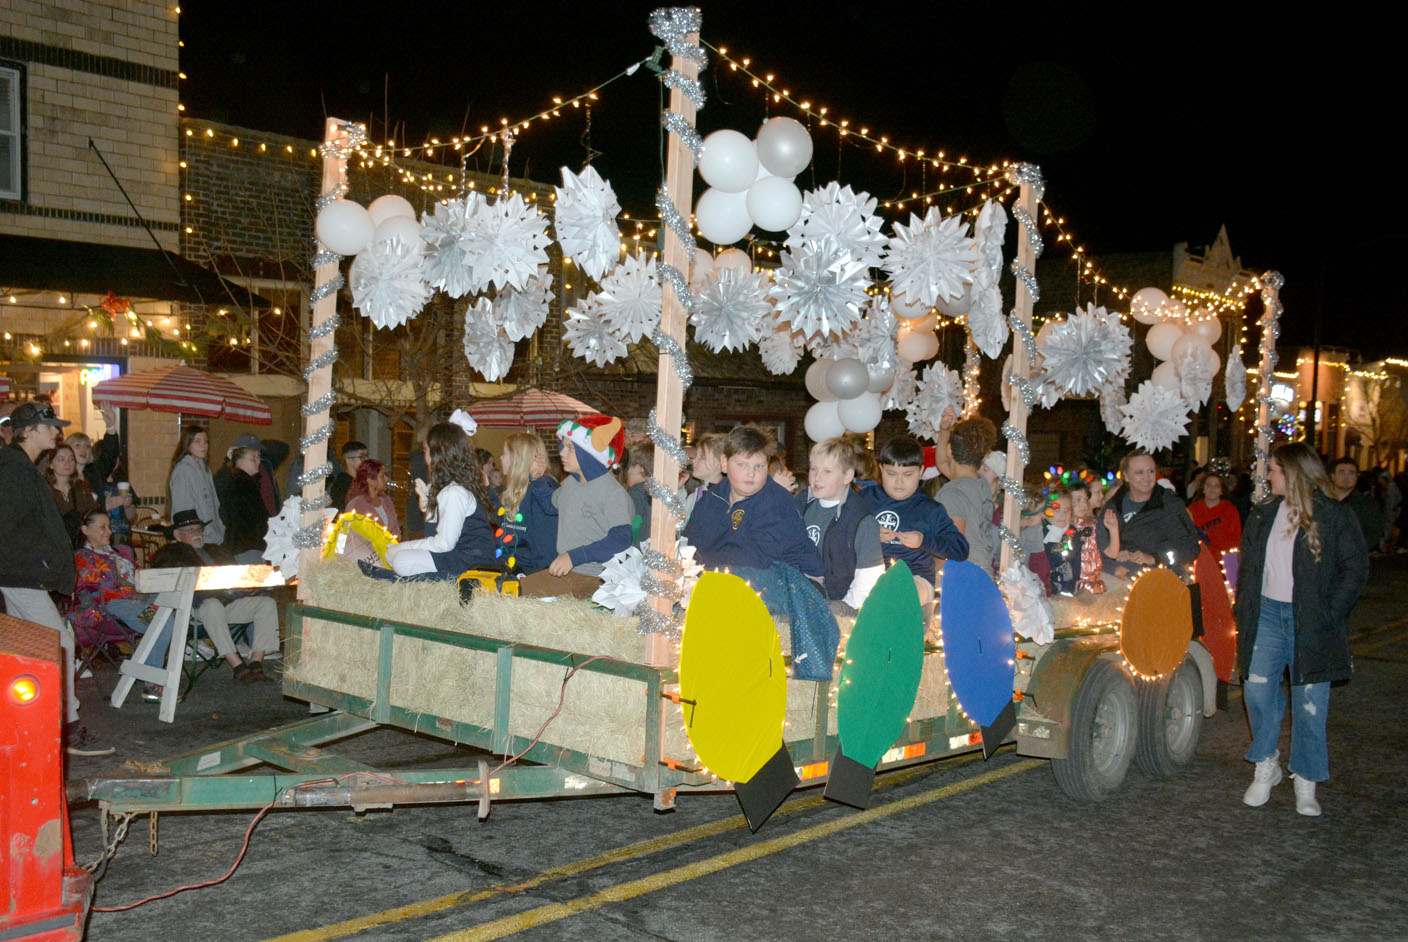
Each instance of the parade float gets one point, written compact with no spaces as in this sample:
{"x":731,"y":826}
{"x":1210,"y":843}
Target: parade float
{"x":676,"y":680}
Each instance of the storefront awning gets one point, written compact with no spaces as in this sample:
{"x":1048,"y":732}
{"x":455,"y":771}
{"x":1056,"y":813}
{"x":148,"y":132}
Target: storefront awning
{"x":34,"y":264}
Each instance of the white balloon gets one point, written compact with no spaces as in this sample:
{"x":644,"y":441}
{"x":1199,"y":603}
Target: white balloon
{"x":775,"y":204}
{"x":1176,"y":311}
{"x":388,"y":207}
{"x":905,"y":306}
{"x":880,"y":379}
{"x":1161,"y":338}
{"x":956,"y":308}
{"x":723,"y":217}
{"x":344,"y":227}
{"x":1211,"y":361}
{"x":917,"y":346}
{"x":816,"y":381}
{"x":733,"y":260}
{"x":404,"y":228}
{"x":701,"y":270}
{"x":729,"y":161}
{"x":1147,"y":305}
{"x":823,"y":421}
{"x":1209,"y":327}
{"x":860,"y":414}
{"x":1166,"y":375}
{"x":1189,"y":345}
{"x":764,"y":172}
{"x":784,"y":146}
{"x":847,"y":378}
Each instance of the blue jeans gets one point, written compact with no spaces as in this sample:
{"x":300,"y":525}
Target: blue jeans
{"x":129,"y":612}
{"x":1266,"y":702}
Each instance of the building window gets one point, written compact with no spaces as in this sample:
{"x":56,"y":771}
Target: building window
{"x":11,"y":133}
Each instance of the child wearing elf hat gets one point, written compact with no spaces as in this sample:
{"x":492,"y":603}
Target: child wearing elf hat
{"x":593,"y":511}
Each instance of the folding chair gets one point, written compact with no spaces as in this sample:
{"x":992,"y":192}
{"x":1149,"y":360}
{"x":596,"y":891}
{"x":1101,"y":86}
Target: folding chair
{"x":106,"y":642}
{"x":197,"y":663}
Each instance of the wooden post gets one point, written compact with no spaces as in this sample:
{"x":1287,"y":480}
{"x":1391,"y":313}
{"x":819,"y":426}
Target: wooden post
{"x":669,"y":391}
{"x":1021,"y":366}
{"x":320,"y":383}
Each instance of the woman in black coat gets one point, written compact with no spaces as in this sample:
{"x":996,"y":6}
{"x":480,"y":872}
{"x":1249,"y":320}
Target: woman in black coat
{"x":1304,"y":565}
{"x":246,"y":518}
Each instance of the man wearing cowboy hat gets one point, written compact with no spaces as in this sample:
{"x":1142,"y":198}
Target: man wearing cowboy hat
{"x":217,"y":610}
{"x":36,"y":557}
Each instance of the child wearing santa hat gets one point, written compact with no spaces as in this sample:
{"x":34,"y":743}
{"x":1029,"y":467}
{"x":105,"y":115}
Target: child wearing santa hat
{"x":593,"y":510}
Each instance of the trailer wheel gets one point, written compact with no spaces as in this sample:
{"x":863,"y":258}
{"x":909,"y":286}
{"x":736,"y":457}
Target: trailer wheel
{"x":1170,"y":722}
{"x":1103,"y":735}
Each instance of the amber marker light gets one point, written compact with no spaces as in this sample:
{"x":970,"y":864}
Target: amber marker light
{"x":24,"y":689}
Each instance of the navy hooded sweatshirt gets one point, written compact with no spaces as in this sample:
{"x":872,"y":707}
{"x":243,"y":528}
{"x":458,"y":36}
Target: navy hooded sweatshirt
{"x":919,"y":512}
{"x":754,"y":533}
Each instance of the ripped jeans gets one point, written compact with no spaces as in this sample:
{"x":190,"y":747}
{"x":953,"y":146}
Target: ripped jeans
{"x":1266,"y":701}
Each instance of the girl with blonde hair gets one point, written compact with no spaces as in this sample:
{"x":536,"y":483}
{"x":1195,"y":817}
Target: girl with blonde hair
{"x":1304,"y":565}
{"x":526,"y":512}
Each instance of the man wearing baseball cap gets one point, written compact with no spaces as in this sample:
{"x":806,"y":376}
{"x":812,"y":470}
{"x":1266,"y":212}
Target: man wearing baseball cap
{"x":36,"y":557}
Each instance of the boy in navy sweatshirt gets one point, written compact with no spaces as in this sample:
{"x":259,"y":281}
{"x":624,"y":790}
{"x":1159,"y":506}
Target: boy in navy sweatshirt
{"x":913,"y":526}
{"x":748,"y":519}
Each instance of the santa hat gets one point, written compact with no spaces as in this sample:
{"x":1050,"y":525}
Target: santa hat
{"x":603,"y":437}
{"x":931,"y":463}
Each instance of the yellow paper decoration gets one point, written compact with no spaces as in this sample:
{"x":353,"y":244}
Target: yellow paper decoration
{"x":369,"y":528}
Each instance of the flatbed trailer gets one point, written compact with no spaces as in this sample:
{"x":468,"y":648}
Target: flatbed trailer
{"x":1090,"y":736}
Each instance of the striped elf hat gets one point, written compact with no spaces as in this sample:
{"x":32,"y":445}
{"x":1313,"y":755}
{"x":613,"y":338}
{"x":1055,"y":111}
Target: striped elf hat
{"x":601,"y":436}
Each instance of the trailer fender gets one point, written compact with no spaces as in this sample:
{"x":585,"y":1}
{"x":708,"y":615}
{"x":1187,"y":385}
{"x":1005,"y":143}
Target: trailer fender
{"x":1203,"y":658}
{"x":1044,"y":718}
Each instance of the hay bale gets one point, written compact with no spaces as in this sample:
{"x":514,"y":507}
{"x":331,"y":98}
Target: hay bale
{"x":602,"y":716}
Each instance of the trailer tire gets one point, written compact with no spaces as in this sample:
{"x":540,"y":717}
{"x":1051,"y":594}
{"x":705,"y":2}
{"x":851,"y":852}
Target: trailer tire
{"x":1170,"y":722}
{"x":1104,"y":731}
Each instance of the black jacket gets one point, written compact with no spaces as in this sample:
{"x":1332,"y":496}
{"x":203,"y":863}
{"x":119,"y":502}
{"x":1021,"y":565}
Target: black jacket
{"x":1161,"y":526}
{"x":35,"y":552}
{"x":246,"y":518}
{"x":1324,"y":594}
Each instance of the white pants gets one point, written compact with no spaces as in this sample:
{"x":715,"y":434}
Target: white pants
{"x":36,"y":606}
{"x":259,"y":610}
{"x":412,"y":562}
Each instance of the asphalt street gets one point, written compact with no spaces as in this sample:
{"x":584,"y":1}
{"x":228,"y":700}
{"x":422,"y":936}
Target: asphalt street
{"x":959,"y":848}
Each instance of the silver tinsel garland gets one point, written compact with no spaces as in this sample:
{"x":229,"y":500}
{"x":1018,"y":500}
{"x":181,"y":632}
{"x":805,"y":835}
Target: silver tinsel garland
{"x":1271,"y":283}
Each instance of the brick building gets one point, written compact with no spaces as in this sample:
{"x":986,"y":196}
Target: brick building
{"x":91,"y":284}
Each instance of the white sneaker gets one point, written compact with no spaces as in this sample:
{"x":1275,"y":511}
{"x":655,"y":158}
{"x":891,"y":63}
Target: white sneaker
{"x":1266,"y":777}
{"x":1305,"y":797}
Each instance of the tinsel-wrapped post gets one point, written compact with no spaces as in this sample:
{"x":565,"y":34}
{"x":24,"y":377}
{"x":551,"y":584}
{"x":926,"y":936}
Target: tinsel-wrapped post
{"x":326,"y":274}
{"x":1271,"y":283}
{"x":1024,"y":267}
{"x":682,"y":77}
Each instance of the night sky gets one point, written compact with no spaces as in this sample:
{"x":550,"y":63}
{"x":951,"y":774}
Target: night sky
{"x":1148,"y":132}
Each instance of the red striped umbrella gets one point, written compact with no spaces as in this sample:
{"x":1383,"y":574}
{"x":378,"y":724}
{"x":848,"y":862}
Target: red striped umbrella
{"x":182,"y":389}
{"x":531,"y":408}
{"x":4,"y":388}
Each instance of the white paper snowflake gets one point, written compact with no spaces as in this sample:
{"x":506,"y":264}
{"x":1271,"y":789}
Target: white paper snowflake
{"x":846,"y":219}
{"x":1112,"y":402}
{"x":1084,"y":352}
{"x":585,"y":219}
{"x":904,"y":388}
{"x":874,"y":336}
{"x":985,"y":321}
{"x":630,"y":298}
{"x":520,"y":313}
{"x":831,"y":347}
{"x":620,"y":578}
{"x":589,"y":336}
{"x":450,"y":224}
{"x":279,"y":548}
{"x":931,"y":258}
{"x":939,"y":388}
{"x":505,"y":243}
{"x":782,"y":350}
{"x":1234,"y":380}
{"x":732,"y":311}
{"x":486,"y":346}
{"x":1032,"y":616}
{"x":820,"y":290}
{"x":388,"y":282}
{"x":1195,"y":382}
{"x":988,"y":235}
{"x":1154,"y":417}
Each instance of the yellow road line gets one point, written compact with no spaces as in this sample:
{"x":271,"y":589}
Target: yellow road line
{"x":553,"y":912}
{"x":427,"y":907}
